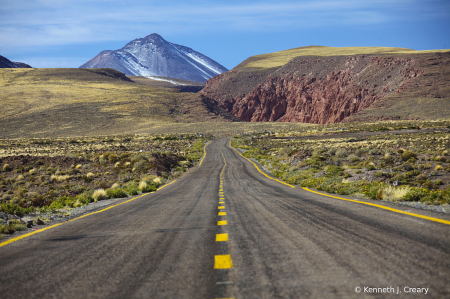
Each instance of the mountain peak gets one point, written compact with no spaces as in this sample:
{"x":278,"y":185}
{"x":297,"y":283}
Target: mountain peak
{"x":154,"y":56}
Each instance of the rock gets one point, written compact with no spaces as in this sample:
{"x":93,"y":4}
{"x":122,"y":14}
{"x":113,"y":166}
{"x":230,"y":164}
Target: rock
{"x":38,"y":221}
{"x":28,"y":221}
{"x":311,"y":89}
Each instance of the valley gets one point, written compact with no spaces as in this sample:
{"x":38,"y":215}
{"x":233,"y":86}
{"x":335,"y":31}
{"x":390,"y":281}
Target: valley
{"x":302,"y":159}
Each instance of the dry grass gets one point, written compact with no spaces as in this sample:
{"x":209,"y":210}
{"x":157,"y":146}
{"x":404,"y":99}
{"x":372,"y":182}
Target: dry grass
{"x":80,"y":102}
{"x":281,"y":58}
{"x":99,"y":194}
{"x":142,"y":186}
{"x":395,"y":193}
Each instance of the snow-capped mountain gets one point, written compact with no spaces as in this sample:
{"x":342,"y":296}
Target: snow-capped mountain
{"x":6,"y":63}
{"x":154,"y":56}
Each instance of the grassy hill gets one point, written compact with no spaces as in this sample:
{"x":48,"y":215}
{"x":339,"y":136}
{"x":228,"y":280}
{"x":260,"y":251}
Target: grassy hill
{"x":277,"y":59}
{"x":78,"y":102}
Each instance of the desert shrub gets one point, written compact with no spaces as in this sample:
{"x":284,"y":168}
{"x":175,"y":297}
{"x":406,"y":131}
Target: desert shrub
{"x":406,"y":155}
{"x":438,"y":167}
{"x":395,"y":193}
{"x":131,"y":190}
{"x":422,"y":177}
{"x":158,"y":181}
{"x":353,"y":158}
{"x":373,"y":191}
{"x":374,"y":151}
{"x":388,"y":160}
{"x":332,"y":151}
{"x":440,"y":159}
{"x":147,"y":187}
{"x":370,"y":167}
{"x":407,"y":167}
{"x":78,"y":166}
{"x":6,"y":167}
{"x":7,"y":229}
{"x":185,"y":163}
{"x":140,"y":165}
{"x":59,"y":178}
{"x":438,"y":182}
{"x":116,"y":193}
{"x":14,"y":209}
{"x":125,"y":177}
{"x":333,"y":170}
{"x":361,"y":151}
{"x":113,"y":158}
{"x":341,"y":153}
{"x":99,"y":194}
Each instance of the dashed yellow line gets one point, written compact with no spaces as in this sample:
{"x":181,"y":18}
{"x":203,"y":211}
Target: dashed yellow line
{"x":260,"y":169}
{"x":221,"y":207}
{"x":222,"y":214}
{"x":221,"y":237}
{"x":222,"y":222}
{"x":223,"y":262}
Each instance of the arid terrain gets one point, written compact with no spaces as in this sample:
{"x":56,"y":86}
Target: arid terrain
{"x":329,"y":85}
{"x":81,"y":102}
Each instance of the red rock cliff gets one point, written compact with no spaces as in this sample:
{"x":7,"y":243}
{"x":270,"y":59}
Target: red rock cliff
{"x":311,"y":89}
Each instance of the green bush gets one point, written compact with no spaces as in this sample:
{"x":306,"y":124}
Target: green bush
{"x":116,"y":193}
{"x":406,"y":155}
{"x":14,"y":209}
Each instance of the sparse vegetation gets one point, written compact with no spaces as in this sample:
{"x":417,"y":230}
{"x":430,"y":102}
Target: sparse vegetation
{"x":405,"y":166}
{"x":277,"y":59}
{"x":68,"y":173}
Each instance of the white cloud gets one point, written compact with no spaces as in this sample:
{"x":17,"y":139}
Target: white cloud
{"x":25,"y":23}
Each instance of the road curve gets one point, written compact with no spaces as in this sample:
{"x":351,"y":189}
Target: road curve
{"x":224,"y":230}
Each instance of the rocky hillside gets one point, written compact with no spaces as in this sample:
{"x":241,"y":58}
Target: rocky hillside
{"x":6,"y":63}
{"x":329,"y":89}
{"x":154,"y":56}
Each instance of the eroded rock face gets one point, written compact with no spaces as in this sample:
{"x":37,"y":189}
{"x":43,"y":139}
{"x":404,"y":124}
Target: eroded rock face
{"x":312,"y":89}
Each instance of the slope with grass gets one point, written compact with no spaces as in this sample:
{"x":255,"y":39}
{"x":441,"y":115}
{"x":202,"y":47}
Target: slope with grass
{"x":79,"y":102}
{"x":400,"y":161}
{"x":328,"y":85}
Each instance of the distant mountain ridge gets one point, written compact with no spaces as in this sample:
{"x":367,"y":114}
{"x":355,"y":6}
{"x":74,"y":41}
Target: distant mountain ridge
{"x":6,"y":63}
{"x":154,"y":56}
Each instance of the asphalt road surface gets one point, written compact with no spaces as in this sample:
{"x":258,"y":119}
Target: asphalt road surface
{"x":225,"y":230}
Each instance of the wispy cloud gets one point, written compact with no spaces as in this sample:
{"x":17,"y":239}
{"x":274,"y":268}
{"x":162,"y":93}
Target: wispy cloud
{"x":25,"y":23}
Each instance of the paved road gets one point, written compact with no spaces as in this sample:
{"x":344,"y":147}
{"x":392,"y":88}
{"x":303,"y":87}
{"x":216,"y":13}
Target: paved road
{"x":276,"y":242}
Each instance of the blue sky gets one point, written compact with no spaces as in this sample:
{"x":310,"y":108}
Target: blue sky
{"x":54,"y":33}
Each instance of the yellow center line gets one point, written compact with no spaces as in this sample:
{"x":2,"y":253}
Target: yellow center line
{"x":222,"y":222}
{"x":221,"y":202}
{"x":223,"y":262}
{"x":222,"y":213}
{"x":221,"y":208}
{"x":385,"y":208}
{"x":221,"y":237}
